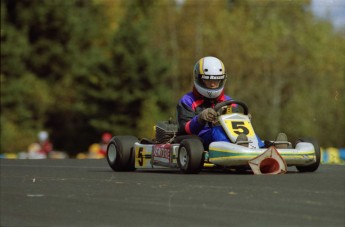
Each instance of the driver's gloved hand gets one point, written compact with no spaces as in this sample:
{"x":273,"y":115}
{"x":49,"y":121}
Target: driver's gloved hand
{"x":207,"y":115}
{"x":222,"y":110}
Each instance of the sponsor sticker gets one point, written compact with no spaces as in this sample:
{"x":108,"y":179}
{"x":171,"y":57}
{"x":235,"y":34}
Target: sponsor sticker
{"x":161,"y":154}
{"x":210,"y":77}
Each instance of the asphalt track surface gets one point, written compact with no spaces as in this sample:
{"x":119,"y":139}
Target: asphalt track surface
{"x":88,"y":193}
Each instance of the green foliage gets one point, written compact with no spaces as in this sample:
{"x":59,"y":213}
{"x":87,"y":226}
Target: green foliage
{"x":281,"y":61}
{"x":58,"y":44}
{"x":78,"y":68}
{"x":139,"y":70}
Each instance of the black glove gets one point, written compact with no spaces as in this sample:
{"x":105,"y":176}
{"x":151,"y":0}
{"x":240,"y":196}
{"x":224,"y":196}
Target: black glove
{"x":207,"y":115}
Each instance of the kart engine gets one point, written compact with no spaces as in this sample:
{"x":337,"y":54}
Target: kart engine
{"x":165,"y":131}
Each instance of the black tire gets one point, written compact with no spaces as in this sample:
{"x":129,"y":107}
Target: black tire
{"x":120,"y":153}
{"x":190,"y":158}
{"x":313,"y":167}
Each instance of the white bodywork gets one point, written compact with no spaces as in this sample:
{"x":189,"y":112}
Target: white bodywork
{"x":148,"y":156}
{"x":223,"y":153}
{"x":229,"y":154}
{"x":155,"y":155}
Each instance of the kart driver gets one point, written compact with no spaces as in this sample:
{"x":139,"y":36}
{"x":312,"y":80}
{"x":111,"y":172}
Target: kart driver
{"x":195,"y":109}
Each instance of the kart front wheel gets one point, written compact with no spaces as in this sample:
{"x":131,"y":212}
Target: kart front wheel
{"x":313,"y":167}
{"x":120,"y":155}
{"x":190,"y":157}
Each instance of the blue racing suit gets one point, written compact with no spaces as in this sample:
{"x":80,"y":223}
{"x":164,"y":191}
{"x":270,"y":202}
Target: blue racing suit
{"x":188,"y":108}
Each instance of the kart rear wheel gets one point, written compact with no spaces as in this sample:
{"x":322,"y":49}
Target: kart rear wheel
{"x":313,"y":167}
{"x":120,"y":154}
{"x":190,"y":158}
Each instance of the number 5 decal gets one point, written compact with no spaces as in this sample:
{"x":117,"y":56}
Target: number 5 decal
{"x":140,"y":157}
{"x":239,"y":127}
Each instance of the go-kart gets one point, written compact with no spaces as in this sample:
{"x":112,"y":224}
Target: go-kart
{"x":187,"y":153}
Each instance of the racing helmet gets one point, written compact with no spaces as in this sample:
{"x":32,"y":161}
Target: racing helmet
{"x":209,"y":68}
{"x":43,"y":136}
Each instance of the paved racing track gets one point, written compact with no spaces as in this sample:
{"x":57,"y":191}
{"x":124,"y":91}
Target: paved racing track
{"x":88,"y":193}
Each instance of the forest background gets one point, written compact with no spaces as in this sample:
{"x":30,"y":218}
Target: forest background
{"x":79,"y":68}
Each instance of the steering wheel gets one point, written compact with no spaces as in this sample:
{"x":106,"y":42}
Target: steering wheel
{"x":219,"y":106}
